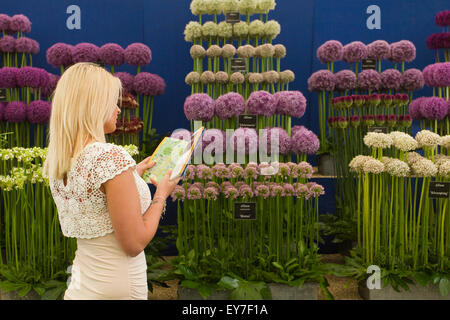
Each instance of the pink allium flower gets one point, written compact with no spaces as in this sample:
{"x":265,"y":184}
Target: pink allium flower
{"x":305,"y":141}
{"x":8,"y":77}
{"x":369,"y":80}
{"x":212,"y":135}
{"x":24,"y":45}
{"x":428,"y":75}
{"x":7,"y":44}
{"x":146,"y":83}
{"x":48,"y":90}
{"x":378,"y":50}
{"x":290,"y":103}
{"x":441,"y":74}
{"x":39,"y":111}
{"x":199,"y":106}
{"x":345,"y":80}
{"x":245,"y":137}
{"x":392,"y":120}
{"x":20,"y":23}
{"x":304,"y":170}
{"x":391,"y":79}
{"x":231,"y":192}
{"x":275,"y":189}
{"x":262,"y":191}
{"x":355,"y":52}
{"x":368,"y":120}
{"x":288,"y":190}
{"x":405,"y":121}
{"x":59,"y":54}
{"x":221,"y":171}
{"x":127,"y":81}
{"x":250,"y":172}
{"x":442,"y":19}
{"x":294,"y":129}
{"x":211,"y":193}
{"x":261,"y":103}
{"x":415,"y":109}
{"x":15,"y":111}
{"x":412,"y":80}
{"x":199,"y":185}
{"x":316,"y":189}
{"x":194,"y":193}
{"x":28,"y":77}
{"x":236,"y":170}
{"x":229,"y":105}
{"x":284,"y":141}
{"x":355,"y":121}
{"x":35,"y":46}
{"x":302,"y":191}
{"x":380,"y":120}
{"x":403,"y":51}
{"x":245,"y":191}
{"x":434,"y":108}
{"x":190,"y":173}
{"x":322,"y":80}
{"x":138,"y":54}
{"x":4,"y":22}
{"x":178,"y":193}
{"x":203,"y":172}
{"x":330,"y":51}
{"x":85,"y":52}
{"x":111,"y":54}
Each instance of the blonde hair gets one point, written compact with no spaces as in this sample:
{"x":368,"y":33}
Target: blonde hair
{"x":84,"y":100}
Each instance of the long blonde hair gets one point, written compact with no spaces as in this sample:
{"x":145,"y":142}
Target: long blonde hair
{"x":84,"y":100}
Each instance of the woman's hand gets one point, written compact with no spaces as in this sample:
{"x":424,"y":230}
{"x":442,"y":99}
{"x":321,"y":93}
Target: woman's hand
{"x":144,"y":165}
{"x":166,"y":186}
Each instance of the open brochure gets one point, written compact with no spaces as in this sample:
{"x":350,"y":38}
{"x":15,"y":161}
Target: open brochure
{"x":173,"y":154}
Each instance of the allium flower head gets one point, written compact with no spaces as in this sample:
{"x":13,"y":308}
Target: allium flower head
{"x":111,"y":54}
{"x":354,"y":52}
{"x":221,"y":77}
{"x":412,"y":157}
{"x":211,"y":193}
{"x":8,"y":77}
{"x":397,"y":168}
{"x":272,"y":29}
{"x":391,"y":79}
{"x":2,"y":108}
{"x":305,"y":141}
{"x":434,"y":108}
{"x":231,"y":192}
{"x":24,"y":45}
{"x":229,"y":105}
{"x":424,"y":168}
{"x":444,"y":169}
{"x":267,"y":50}
{"x":190,"y":173}
{"x":236,"y":170}
{"x":147,"y":84}
{"x":192,"y":78}
{"x":369,"y":80}
{"x":426,"y":138}
{"x":213,"y":7}
{"x":85,"y":52}
{"x":290,"y":103}
{"x":209,"y":29}
{"x":403,"y":141}
{"x":445,"y":142}
{"x":208,"y":77}
{"x":240,"y":29}
{"x":230,"y":6}
{"x":224,"y":30}
{"x":316,"y":189}
{"x":428,"y":75}
{"x":271,"y":77}
{"x":245,"y":141}
{"x":262,"y":191}
{"x":345,"y":80}
{"x":261,"y":103}
{"x":277,"y":136}
{"x":193,"y":31}
{"x":178,"y":194}
{"x":415,"y":108}
{"x":412,"y":80}
{"x":237,"y":78}
{"x":373,"y":166}
{"x":199,"y":107}
{"x":15,"y":111}
{"x":403,"y":51}
{"x":288,"y":190}
{"x":355,"y":121}
{"x":203,"y":172}
{"x":441,"y":74}
{"x":194,"y":193}
{"x":28,"y":77}
{"x":322,"y":80}
{"x":280,"y":51}
{"x":330,"y":51}
{"x":4,"y":22}
{"x":256,"y":29}
{"x":138,"y":54}
{"x":255,"y":78}
{"x":20,"y":23}
{"x":39,"y":111}
{"x":250,"y":172}
{"x":304,"y":170}
{"x":380,"y":120}
{"x":287,"y":76}
{"x":7,"y":44}
{"x":228,"y":51}
{"x":264,"y":6}
{"x":378,"y":140}
{"x":442,"y":19}
{"x":59,"y":54}
{"x":127,"y":81}
{"x":247,"y":7}
{"x":198,"y":7}
{"x":357,"y":163}
{"x":245,"y":191}
{"x":35,"y":46}
{"x":378,"y":50}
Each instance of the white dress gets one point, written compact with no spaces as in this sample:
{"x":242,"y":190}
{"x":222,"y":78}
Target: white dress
{"x":101,"y":269}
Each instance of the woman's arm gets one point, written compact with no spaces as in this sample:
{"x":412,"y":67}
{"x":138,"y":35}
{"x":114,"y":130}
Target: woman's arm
{"x":132,"y":229}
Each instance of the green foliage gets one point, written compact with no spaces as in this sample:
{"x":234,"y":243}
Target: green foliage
{"x":334,"y":224}
{"x":150,"y":143}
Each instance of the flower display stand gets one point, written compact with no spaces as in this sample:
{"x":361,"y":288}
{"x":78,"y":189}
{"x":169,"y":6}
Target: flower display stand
{"x":415,"y":292}
{"x":309,"y":291}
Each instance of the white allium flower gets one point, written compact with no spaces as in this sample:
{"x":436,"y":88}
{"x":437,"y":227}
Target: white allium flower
{"x":272,"y":29}
{"x":357,"y":163}
{"x":240,"y":29}
{"x":132,"y":149}
{"x":426,"y":138}
{"x":225,"y":30}
{"x":267,"y":50}
{"x":444,"y":169}
{"x":271,"y":77}
{"x":445,"y":142}
{"x":213,"y":7}
{"x":264,"y":6}
{"x":424,"y":168}
{"x":403,"y":141}
{"x":193,"y":31}
{"x":280,"y":51}
{"x":228,"y":51}
{"x":247,"y":6}
{"x":230,"y":6}
{"x":378,"y":140}
{"x":412,"y":157}
{"x":198,"y":7}
{"x":192,"y":78}
{"x":287,"y":76}
{"x":256,"y":29}
{"x":214,"y":51}
{"x":386,"y":160}
{"x":255,"y":78}
{"x":208,"y":77}
{"x":246,"y":51}
{"x":209,"y":29}
{"x":197,"y":51}
{"x":373,"y":166}
{"x":397,"y":168}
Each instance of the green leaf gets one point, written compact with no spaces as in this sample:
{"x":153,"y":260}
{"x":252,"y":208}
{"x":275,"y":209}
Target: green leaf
{"x":187,"y":272}
{"x":9,"y":286}
{"x":39,"y":290}
{"x":298,"y":283}
{"x":291,"y":261}
{"x":444,"y":286}
{"x":205,"y":290}
{"x":293,"y":266}
{"x":24,"y":290}
{"x":245,"y":292}
{"x":229,"y":283}
{"x":277,"y":265}
{"x":53,"y":294}
{"x":436,"y":279}
{"x":190,"y":284}
{"x":422,"y":278}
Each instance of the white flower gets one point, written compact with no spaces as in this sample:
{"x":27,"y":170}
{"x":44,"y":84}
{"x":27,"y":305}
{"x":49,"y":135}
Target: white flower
{"x":256,"y":29}
{"x":356,"y":165}
{"x":387,"y":160}
{"x":403,"y":141}
{"x":445,"y":142}
{"x":209,"y":29}
{"x":198,"y":7}
{"x":373,"y":166}
{"x":398,"y":168}
{"x":426,"y":138}
{"x":247,"y":6}
{"x":424,"y":168}
{"x":193,"y":31}
{"x":378,"y":140}
{"x":444,"y":169}
{"x":439,"y":158}
{"x":264,"y":6}
{"x":230,"y":6}
{"x":213,"y":7}
{"x":412,"y":157}
{"x":272,"y":29}
{"x":240,"y":29}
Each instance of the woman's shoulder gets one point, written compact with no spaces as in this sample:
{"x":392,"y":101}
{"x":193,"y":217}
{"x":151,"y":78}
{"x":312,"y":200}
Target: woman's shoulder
{"x":102,"y":149}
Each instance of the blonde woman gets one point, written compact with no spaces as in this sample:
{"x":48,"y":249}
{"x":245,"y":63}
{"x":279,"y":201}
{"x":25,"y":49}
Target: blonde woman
{"x":98,"y":190}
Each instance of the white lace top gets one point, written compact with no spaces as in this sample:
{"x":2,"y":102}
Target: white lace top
{"x":82,"y":209}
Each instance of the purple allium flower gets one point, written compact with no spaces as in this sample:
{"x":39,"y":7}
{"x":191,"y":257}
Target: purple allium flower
{"x":221,"y":171}
{"x":391,"y":79}
{"x":369,"y":80}
{"x":212,"y":184}
{"x":294,"y":129}
{"x":236,"y":170}
{"x":355,"y":121}
{"x":275,"y":189}
{"x":111,"y":54}
{"x":190,"y":173}
{"x":20,"y":23}
{"x":194,"y":193}
{"x":322,"y":80}
{"x":284,"y":170}
{"x":392,"y":120}
{"x":24,"y":45}
{"x":345,"y":80}
{"x":434,"y":108}
{"x":85,"y":52}
{"x":428,"y":75}
{"x":210,"y":137}
{"x":342,"y":122}
{"x":290,"y":103}
{"x":229,"y":105}
{"x":127,"y":81}
{"x":441,"y":74}
{"x":330,"y":51}
{"x":245,"y":140}
{"x":59,"y":54}
{"x":15,"y":111}
{"x":39,"y":111}
{"x":277,"y":137}
{"x":412,"y":80}
{"x":305,"y":141}
{"x":7,"y":44}
{"x":44,"y":78}
{"x":199,"y":106}
{"x":288,"y":190}
{"x":146,"y":84}
{"x":332,"y":122}
{"x":4,"y":22}
{"x":138,"y":54}
{"x":231,"y":192}
{"x":380,"y":120}
{"x":211,"y":193}
{"x":261,"y":103}
{"x":178,"y":193}
{"x":403,"y":51}
{"x":8,"y":77}
{"x":368,"y":120}
{"x":304,"y":170}
{"x":199,"y":185}
{"x":48,"y":90}
{"x":378,"y":50}
{"x":262,"y":191}
{"x":415,"y":108}
{"x":203,"y":172}
{"x":245,"y":191}
{"x":35,"y":46}
{"x":29,"y":77}
{"x":302,"y":191}
{"x":316,"y":189}
{"x":442,"y":19}
{"x":374,"y":99}
{"x":405,"y":121}
{"x":355,"y":52}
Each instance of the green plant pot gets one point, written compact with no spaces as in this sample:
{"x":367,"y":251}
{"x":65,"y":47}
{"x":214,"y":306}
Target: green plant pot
{"x":327,"y":164}
{"x":415,"y":292}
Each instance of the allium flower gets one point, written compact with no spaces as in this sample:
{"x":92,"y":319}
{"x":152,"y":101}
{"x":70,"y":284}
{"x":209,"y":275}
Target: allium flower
{"x":373,"y":166}
{"x":426,"y":138}
{"x":111,"y":54}
{"x":15,"y":111}
{"x":138,"y":54}
{"x":214,"y":51}
{"x":39,"y":111}
{"x":190,"y":173}
{"x":221,"y":171}
{"x":369,"y":80}
{"x":278,"y":137}
{"x":127,"y":81}
{"x":178,"y":193}
{"x":264,"y":6}
{"x":20,"y":23}
{"x":194,"y":193}
{"x":245,"y":191}
{"x":59,"y":54}
{"x":287,"y":76}
{"x":345,"y":80}
{"x":8,"y":77}
{"x":148,"y":84}
{"x":354,"y":52}
{"x":280,"y":51}
{"x":355,"y":121}
{"x":24,"y":45}
{"x":261,"y":103}
{"x":35,"y":47}
{"x":237,"y":78}
{"x":391,"y":79}
{"x":193,"y":31}
{"x":245,"y":140}
{"x":271,"y":77}
{"x":229,"y":6}
{"x":403,"y":141}
{"x":85,"y":52}
{"x":272,"y":29}
{"x":412,"y":157}
{"x":247,"y":7}
{"x":304,"y":170}
{"x":405,"y":121}
{"x":442,"y":19}
{"x":322,"y":80}
{"x":290,"y":103}
{"x":231,"y":192}
{"x":378,"y":140}
{"x":192,"y":78}
{"x":444,"y":169}
{"x":424,"y":168}
{"x":211,"y":193}
{"x":412,"y":80}
{"x":198,"y":7}
{"x":445,"y":142}
{"x":211,"y":136}
{"x":250,"y":172}
{"x":397,"y":168}
{"x":256,"y":29}
{"x":182,"y":134}
{"x":330,"y":51}
{"x":228,"y":51}
{"x":221,"y":77}
{"x":213,"y":7}
{"x":203,"y":172}
{"x":369,"y":120}
{"x":275,"y":189}
{"x":236,"y":170}
{"x":199,"y":107}
{"x":288,"y":190}
{"x":415,"y":108}
{"x":262,"y":191}
{"x":428,"y":75}
{"x":357,"y":163}
{"x":255,"y":78}
{"x":441,"y":74}
{"x":434,"y":108}
{"x":209,"y":29}
{"x":246,"y":51}
{"x":403,"y":51}
{"x":240,"y":29}
{"x":229,"y":105}
{"x":224,"y":30}
{"x":378,"y":50}
{"x":305,"y":141}
{"x":315,"y":189}
{"x":7,"y":44}
{"x":4,"y":22}
{"x":208,"y":77}
{"x":28,"y":77}
{"x":380,"y":120}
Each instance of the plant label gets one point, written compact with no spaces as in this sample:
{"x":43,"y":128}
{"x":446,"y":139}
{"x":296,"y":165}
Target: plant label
{"x":439,"y":190}
{"x":233,"y":17}
{"x":369,"y":64}
{"x":3,"y":95}
{"x":238,"y":65}
{"x":378,"y":129}
{"x":247,"y":121}
{"x":245,"y":210}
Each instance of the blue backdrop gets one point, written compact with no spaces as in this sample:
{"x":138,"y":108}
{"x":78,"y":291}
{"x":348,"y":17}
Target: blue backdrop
{"x":306,"y":24}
